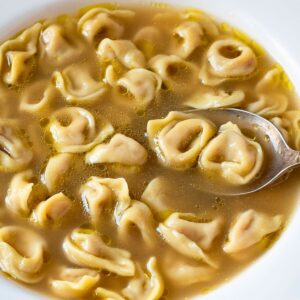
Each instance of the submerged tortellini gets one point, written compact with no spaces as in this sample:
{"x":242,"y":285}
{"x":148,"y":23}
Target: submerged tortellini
{"x":227,"y":59}
{"x":38,"y":97}
{"x":74,"y":283}
{"x":17,"y":56}
{"x":271,"y":99}
{"x":106,"y":294}
{"x":179,"y":138}
{"x":190,"y":238}
{"x":122,"y":51}
{"x":139,"y":215}
{"x":52,"y":210}
{"x":232,"y":155}
{"x":208,"y":25}
{"x":141,"y":86}
{"x":98,"y":23}
{"x":75,"y":130}
{"x":23,"y":193}
{"x":55,"y":170}
{"x":22,"y":254}
{"x":98,"y":193}
{"x":185,"y":273}
{"x":15,"y":153}
{"x":120,"y":149}
{"x":78,"y":85}
{"x":283,"y":125}
{"x":250,"y":228}
{"x":145,"y":286}
{"x":159,"y":196}
{"x":86,"y":248}
{"x":216,"y":99}
{"x":291,"y":123}
{"x":57,"y":48}
{"x":149,"y":40}
{"x":176,"y":73}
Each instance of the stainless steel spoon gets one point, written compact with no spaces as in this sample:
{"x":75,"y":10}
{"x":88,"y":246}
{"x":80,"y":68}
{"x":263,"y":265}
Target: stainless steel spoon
{"x":280,"y":159}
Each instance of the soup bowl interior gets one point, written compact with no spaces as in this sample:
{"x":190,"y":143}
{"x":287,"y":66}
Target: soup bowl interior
{"x":272,"y":24}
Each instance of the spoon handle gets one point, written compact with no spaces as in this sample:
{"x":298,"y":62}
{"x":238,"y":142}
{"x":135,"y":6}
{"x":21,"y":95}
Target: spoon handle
{"x":292,"y":158}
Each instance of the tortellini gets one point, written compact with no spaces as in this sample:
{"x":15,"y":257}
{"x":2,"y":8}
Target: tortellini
{"x":38,"y":97}
{"x":182,"y":273}
{"x":139,"y":215}
{"x":179,"y":138}
{"x":122,"y":51}
{"x":15,"y":153}
{"x":189,"y":36}
{"x":144,"y":286}
{"x":208,"y":25}
{"x":55,"y":170}
{"x":120,"y":149}
{"x":57,"y":48}
{"x":271,"y":100}
{"x":17,"y":56}
{"x":159,"y":196}
{"x":149,"y":40}
{"x":227,"y":59}
{"x":75,"y":130}
{"x":176,"y":73}
{"x":235,"y":157}
{"x":106,"y":294}
{"x":22,"y":254}
{"x":52,"y":210}
{"x":185,"y":239}
{"x":78,"y":86}
{"x":283,"y":125}
{"x":100,"y":23}
{"x":250,"y":228}
{"x":141,"y":86}
{"x":291,"y":123}
{"x":85,"y":247}
{"x":216,"y":99}
{"x":74,"y":283}
{"x":202,"y":232}
{"x":23,"y":193}
{"x":98,"y":193}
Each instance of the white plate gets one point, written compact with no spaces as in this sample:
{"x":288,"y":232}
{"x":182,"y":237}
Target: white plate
{"x":275,"y":24}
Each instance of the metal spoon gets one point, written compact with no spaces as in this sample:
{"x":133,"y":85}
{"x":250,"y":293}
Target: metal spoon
{"x":280,"y":159}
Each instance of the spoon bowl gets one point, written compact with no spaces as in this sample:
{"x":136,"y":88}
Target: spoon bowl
{"x":279,"y":158}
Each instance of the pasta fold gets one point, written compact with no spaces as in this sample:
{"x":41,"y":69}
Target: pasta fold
{"x":15,"y":153}
{"x":98,"y":23}
{"x":75,"y":130}
{"x":120,"y":149}
{"x":98,"y":193}
{"x":179,"y":138}
{"x":22,"y":254}
{"x":144,"y":286}
{"x":235,"y":157}
{"x":87,"y":249}
{"x":17,"y":56}
{"x":227,"y":59}
{"x":250,"y":228}
{"x":78,"y":86}
{"x":74,"y":283}
{"x":271,"y":99}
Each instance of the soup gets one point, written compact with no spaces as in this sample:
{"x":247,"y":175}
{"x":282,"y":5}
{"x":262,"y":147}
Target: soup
{"x":102,"y":171}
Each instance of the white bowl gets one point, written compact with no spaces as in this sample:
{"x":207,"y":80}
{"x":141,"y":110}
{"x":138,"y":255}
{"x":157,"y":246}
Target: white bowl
{"x":272,"y":23}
